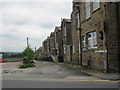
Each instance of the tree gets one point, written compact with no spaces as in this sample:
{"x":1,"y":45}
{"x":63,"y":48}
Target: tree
{"x":29,"y":53}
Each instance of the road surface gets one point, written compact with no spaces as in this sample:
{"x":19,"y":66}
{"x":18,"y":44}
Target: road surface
{"x":49,"y":75}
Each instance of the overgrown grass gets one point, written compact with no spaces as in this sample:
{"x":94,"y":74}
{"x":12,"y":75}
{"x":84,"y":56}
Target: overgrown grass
{"x":27,"y":65}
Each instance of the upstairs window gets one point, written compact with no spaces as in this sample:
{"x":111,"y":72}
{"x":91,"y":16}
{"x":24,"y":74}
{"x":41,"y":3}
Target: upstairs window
{"x":87,"y":7}
{"x":78,"y":20}
{"x":96,"y":4}
{"x":92,"y":40}
{"x":64,"y":30}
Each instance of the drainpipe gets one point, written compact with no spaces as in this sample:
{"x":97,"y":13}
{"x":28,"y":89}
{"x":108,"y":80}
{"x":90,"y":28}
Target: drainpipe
{"x":118,"y":30}
{"x":80,"y":29}
{"x":105,"y":43}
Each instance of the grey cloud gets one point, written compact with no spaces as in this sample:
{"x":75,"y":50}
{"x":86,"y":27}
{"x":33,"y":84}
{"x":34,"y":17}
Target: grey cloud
{"x":12,"y":37}
{"x":33,"y":19}
{"x":36,"y":0}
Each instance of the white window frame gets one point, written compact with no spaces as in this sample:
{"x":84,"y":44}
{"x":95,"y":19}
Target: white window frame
{"x":95,"y":39}
{"x":64,"y":29}
{"x":83,"y":42}
{"x":96,"y":4}
{"x":78,"y":20}
{"x":92,"y":40}
{"x":87,"y":7}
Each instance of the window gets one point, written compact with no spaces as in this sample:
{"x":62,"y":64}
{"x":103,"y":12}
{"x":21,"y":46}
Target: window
{"x":87,"y":6}
{"x":64,"y":30}
{"x":55,"y":51}
{"x":64,"y":49}
{"x":78,"y":20}
{"x":92,"y":40}
{"x":73,"y":48}
{"x":96,"y":4}
{"x":83,"y":42}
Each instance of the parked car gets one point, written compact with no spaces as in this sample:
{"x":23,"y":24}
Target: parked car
{"x":2,"y":60}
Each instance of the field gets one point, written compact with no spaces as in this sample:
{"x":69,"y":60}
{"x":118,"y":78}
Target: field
{"x":13,"y":59}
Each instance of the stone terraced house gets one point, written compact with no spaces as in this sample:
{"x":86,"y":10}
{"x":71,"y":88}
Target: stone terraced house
{"x":66,"y":40}
{"x":97,"y":30}
{"x":90,"y":38}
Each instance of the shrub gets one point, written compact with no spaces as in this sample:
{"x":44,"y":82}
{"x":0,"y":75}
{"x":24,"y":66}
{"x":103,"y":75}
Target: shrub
{"x":26,"y":65}
{"x":29,"y":53}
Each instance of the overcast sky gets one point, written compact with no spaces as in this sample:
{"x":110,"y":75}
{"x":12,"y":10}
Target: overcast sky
{"x":34,"y":19}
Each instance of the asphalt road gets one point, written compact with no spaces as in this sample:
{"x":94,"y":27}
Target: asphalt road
{"x":58,"y":84}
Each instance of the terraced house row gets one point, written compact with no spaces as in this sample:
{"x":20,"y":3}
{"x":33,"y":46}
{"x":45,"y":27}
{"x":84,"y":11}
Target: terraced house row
{"x":89,"y":38}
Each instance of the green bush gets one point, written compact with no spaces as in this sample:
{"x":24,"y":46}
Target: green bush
{"x":27,"y":65}
{"x":29,"y":53}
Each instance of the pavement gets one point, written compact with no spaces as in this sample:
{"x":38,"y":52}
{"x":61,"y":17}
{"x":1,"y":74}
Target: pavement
{"x":52,"y":75}
{"x":57,"y":70}
{"x":42,"y":71}
{"x":101,"y":75}
{"x":94,"y":72}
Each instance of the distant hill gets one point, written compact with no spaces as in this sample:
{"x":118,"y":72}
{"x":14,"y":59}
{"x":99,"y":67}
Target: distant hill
{"x":10,"y":52}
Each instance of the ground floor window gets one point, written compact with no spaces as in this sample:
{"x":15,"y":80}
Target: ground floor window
{"x":91,"y":40}
{"x":83,"y":42}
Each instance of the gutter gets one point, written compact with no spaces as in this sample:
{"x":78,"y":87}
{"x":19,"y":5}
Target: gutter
{"x":118,"y":31}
